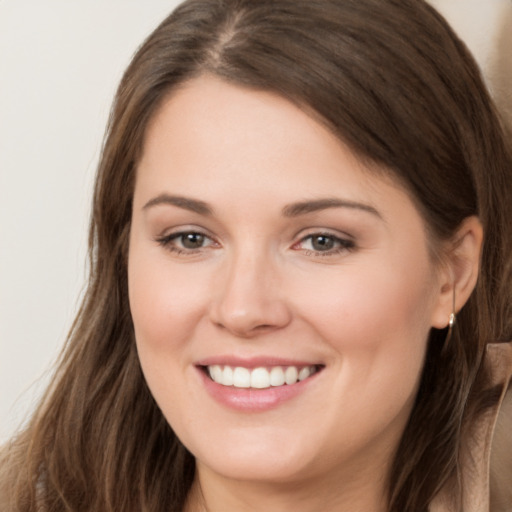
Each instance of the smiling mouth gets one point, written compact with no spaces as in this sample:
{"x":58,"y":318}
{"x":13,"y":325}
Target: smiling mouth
{"x":261,"y":377}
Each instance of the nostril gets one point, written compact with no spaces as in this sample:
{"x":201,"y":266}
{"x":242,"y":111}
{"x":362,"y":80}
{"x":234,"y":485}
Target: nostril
{"x":264,"y":327}
{"x":250,"y":314}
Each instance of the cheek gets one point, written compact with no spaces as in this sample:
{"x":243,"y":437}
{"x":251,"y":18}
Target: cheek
{"x":393,"y":300}
{"x":377,"y":325}
{"x":377,"y":321}
{"x":166,"y":307}
{"x":165,"y":304}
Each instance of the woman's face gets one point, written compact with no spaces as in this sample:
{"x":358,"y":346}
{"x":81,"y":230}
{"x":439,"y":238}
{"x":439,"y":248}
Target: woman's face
{"x":262,"y":252}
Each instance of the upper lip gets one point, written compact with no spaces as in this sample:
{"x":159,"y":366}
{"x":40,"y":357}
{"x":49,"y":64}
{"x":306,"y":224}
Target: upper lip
{"x":255,"y":362}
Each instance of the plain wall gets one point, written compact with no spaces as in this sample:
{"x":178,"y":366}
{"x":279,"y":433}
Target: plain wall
{"x":60,"y":61}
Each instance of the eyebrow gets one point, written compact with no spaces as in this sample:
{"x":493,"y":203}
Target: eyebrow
{"x":187,"y":203}
{"x":305,"y":207}
{"x":290,"y":210}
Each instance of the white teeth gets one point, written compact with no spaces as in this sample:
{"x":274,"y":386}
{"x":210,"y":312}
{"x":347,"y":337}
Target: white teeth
{"x":290,"y":375}
{"x":241,"y":378}
{"x":227,"y":376}
{"x":277,"y":376}
{"x":215,"y":372}
{"x":259,"y":378}
{"x":304,"y":373}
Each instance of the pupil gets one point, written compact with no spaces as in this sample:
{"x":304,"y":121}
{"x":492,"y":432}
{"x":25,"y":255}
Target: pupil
{"x":193,"y":240}
{"x":322,"y":243}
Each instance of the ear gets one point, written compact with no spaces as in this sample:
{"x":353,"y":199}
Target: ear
{"x":458,"y":272}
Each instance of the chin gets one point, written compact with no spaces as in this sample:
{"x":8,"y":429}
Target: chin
{"x":264,"y":469}
{"x":265,"y":459}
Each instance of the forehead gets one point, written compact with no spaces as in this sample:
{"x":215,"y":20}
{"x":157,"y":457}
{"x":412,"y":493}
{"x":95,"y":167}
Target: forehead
{"x":225,"y":142}
{"x":207,"y":125}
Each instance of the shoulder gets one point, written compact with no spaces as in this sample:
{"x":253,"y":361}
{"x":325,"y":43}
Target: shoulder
{"x":484,"y":478}
{"x":501,"y":459}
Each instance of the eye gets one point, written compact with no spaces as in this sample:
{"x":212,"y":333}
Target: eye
{"x":324,"y":244}
{"x":185,"y":241}
{"x":191,"y":240}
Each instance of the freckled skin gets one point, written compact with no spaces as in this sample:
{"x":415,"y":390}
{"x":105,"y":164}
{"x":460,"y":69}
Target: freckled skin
{"x":259,"y":283}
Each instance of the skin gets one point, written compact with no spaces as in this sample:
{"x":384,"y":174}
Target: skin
{"x":257,"y":286}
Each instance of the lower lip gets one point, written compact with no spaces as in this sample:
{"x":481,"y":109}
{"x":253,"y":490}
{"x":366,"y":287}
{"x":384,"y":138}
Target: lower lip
{"x":254,"y":400}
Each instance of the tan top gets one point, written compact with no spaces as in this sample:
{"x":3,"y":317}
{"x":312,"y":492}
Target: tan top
{"x":486,"y":479}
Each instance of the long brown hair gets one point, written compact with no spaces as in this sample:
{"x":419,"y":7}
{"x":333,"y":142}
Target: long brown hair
{"x":391,"y":80}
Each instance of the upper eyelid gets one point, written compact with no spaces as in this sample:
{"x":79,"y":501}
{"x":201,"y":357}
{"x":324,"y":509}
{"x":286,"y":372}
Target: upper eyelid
{"x":335,"y":233}
{"x":175,"y":235}
{"x":326,"y":234}
{"x":330,"y":235}
{"x":341,"y":249}
{"x":168,"y":243}
{"x":181,"y":230}
{"x":341,"y":241}
{"x":298,"y":237}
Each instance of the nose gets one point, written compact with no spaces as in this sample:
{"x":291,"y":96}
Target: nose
{"x":250,"y":299}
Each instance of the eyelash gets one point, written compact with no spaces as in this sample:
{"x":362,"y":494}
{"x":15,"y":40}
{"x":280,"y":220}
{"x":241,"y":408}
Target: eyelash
{"x":167,"y":242}
{"x":341,"y":244}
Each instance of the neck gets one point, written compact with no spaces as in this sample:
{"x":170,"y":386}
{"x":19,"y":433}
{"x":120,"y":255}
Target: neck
{"x":340,"y":493}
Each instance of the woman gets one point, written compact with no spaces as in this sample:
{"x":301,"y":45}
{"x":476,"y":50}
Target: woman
{"x":300,"y":290}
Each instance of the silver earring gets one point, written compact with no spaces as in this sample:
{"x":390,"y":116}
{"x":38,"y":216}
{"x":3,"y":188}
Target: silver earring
{"x":451,"y":325}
